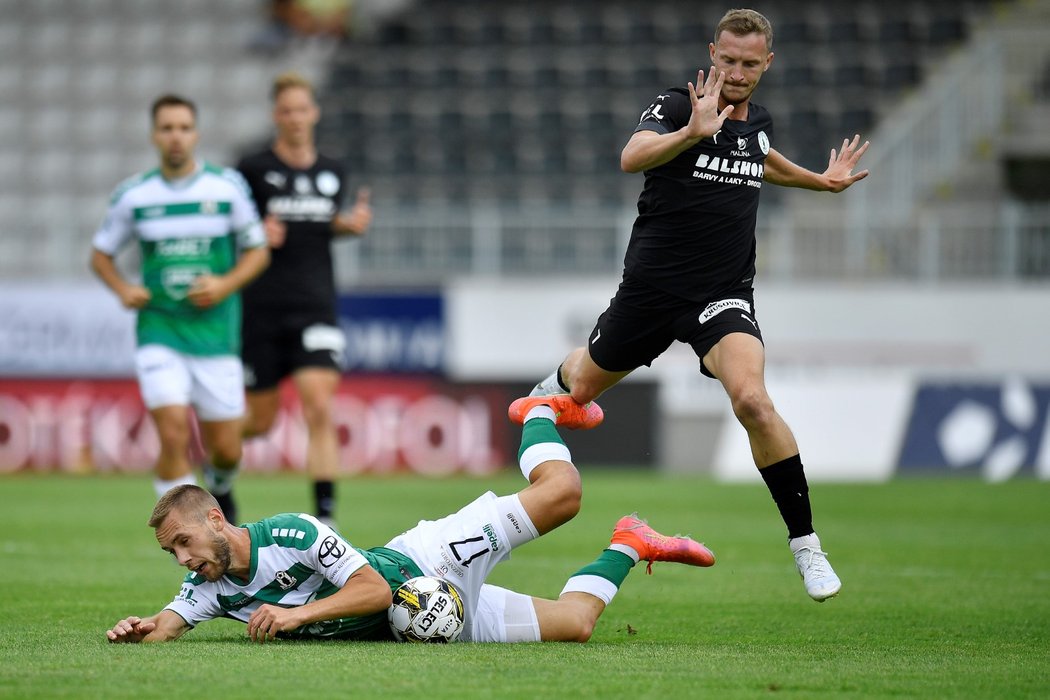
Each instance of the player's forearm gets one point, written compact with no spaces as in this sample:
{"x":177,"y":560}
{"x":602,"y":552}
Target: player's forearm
{"x":250,"y":265}
{"x":778,"y":170}
{"x":106,"y":269}
{"x":648,"y":149}
{"x":365,"y":593}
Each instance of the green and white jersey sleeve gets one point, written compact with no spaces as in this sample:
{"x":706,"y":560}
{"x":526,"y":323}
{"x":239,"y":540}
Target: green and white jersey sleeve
{"x":295,"y":559}
{"x":186,"y":228}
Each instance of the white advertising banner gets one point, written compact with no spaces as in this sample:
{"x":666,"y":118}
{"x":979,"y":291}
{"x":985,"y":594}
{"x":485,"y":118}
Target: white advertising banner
{"x":64,"y":331}
{"x":522,"y":328}
{"x":849,"y":426}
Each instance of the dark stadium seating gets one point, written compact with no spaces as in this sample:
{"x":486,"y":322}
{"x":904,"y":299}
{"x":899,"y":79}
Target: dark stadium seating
{"x":468,"y":98}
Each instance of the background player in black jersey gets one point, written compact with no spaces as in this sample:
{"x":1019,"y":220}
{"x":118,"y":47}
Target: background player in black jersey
{"x":690,"y":263}
{"x":290,"y":325}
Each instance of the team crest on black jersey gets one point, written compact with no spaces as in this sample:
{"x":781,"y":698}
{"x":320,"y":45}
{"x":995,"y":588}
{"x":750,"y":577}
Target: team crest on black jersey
{"x":763,"y":142}
{"x":327,"y":183}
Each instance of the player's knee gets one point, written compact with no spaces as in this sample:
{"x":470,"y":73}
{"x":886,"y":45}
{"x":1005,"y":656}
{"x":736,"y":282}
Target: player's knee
{"x":317,"y":414}
{"x":568,"y":492}
{"x":173,"y":435}
{"x":753,"y":408}
{"x":582,"y":628}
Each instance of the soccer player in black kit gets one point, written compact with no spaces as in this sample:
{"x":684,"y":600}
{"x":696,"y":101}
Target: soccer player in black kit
{"x":690,"y":263}
{"x":290,"y":325}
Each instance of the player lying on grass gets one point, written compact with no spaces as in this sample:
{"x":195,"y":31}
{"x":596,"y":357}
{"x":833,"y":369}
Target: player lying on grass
{"x":291,"y":575}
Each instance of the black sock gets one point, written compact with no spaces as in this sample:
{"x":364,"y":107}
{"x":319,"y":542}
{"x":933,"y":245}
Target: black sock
{"x":561,"y":382}
{"x":229,"y":508}
{"x":787,"y":483}
{"x":324,"y":498}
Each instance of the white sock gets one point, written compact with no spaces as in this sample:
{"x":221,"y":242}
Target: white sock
{"x":601,"y":588}
{"x":162,"y":486}
{"x":541,"y":411}
{"x":543,"y":452}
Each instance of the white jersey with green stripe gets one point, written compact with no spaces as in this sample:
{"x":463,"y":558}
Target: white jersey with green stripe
{"x":185,"y":228}
{"x":295,"y":559}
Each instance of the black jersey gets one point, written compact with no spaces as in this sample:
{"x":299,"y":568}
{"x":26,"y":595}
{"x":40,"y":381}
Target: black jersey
{"x":695,"y":232}
{"x":300,"y":276}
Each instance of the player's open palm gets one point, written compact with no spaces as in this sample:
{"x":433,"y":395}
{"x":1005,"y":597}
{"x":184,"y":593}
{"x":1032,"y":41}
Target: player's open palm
{"x":840,"y":173}
{"x":359,"y":218}
{"x":706,"y":120}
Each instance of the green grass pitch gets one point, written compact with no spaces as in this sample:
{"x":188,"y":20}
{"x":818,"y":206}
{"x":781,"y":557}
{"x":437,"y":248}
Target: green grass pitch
{"x":946,"y":594}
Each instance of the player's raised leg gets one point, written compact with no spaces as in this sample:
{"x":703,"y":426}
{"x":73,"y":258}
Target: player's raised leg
{"x":554,"y":491}
{"x":572,"y":617}
{"x":580,"y":377}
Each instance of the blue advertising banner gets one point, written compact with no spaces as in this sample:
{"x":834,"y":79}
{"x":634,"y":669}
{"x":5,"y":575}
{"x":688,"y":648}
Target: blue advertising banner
{"x":993,"y":429}
{"x":393,"y":332}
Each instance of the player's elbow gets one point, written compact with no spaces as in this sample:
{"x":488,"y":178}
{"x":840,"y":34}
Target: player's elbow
{"x":629,"y":163}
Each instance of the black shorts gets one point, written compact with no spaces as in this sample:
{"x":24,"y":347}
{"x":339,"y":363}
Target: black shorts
{"x":273,"y":345}
{"x":642,"y":322}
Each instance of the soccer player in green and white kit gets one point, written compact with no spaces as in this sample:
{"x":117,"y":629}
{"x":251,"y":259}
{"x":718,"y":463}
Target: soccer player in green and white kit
{"x":201,"y":241}
{"x":293,"y":576}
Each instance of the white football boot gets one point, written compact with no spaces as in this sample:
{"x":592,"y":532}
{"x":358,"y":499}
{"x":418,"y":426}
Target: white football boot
{"x":820,"y":579}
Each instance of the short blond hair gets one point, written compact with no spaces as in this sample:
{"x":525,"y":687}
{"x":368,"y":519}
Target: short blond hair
{"x":188,"y":499}
{"x":291,"y":79}
{"x":742,"y":22}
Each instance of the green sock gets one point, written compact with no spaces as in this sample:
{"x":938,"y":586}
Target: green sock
{"x":538,"y":431}
{"x":610,"y":565}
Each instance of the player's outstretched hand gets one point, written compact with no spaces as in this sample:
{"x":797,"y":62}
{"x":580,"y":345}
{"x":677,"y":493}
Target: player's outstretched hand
{"x":130,"y":630}
{"x":359,"y":218}
{"x":840,"y":173}
{"x":706,"y":120}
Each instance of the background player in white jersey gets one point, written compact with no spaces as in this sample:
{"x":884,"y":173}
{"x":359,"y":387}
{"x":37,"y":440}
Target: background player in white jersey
{"x":290,"y":325}
{"x":201,"y":240}
{"x":293,"y":576}
{"x":690,"y":264}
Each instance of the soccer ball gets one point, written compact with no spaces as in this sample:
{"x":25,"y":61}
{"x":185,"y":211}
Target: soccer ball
{"x":426,"y":609}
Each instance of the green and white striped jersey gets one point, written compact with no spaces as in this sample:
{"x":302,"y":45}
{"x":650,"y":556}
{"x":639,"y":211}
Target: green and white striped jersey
{"x":295,"y":559}
{"x":185,"y":228}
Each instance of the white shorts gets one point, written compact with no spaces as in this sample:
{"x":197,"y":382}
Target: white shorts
{"x":463,"y":548}
{"x":213,"y":385}
{"x":504,"y":616}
